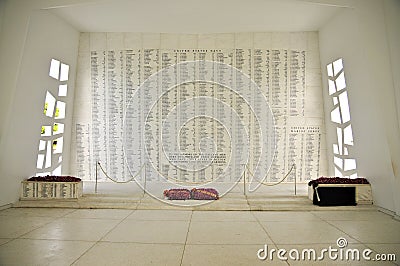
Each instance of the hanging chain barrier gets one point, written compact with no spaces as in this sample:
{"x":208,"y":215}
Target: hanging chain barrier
{"x":270,"y":184}
{"x":98,"y":164}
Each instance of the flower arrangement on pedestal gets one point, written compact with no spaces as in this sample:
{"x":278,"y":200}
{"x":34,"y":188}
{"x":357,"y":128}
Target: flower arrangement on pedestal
{"x":53,"y":178}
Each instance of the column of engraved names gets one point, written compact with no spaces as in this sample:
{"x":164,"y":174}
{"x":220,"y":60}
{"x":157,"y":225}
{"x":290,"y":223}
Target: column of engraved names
{"x":243,"y":64}
{"x":133,"y":114}
{"x":297,"y":83}
{"x":115,"y":110}
{"x":312,"y":152}
{"x":261,"y":77}
{"x":205,"y":125}
{"x":99,"y":105}
{"x":168,"y":103}
{"x":187,"y":133}
{"x":83,"y":162}
{"x":152,"y":127}
{"x":222,"y":93}
{"x":295,"y":156}
{"x":278,"y":103}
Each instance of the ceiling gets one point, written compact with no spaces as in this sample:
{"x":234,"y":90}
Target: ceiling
{"x":193,"y":16}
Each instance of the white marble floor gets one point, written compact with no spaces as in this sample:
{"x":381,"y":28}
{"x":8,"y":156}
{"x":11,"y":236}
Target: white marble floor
{"x":50,"y":236}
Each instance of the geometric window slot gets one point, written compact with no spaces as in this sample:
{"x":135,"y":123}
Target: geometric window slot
{"x":64,"y":72}
{"x":40,"y":161}
{"x":49,"y":104}
{"x":332,"y":87}
{"x":58,"y":128}
{"x":349,"y":164}
{"x":339,"y":138}
{"x":42,"y":145}
{"x":62,"y":90}
{"x":46,"y":131}
{"x":60,"y":110}
{"x":344,"y":107}
{"x":353,"y":176}
{"x":48,"y":155}
{"x":329,"y":70}
{"x":57,"y":171}
{"x":348,"y":136}
{"x":58,"y":145}
{"x":338,"y":173}
{"x":335,"y":149}
{"x":340,"y":82}
{"x":338,"y":162}
{"x":54,"y":68}
{"x":335,"y":116}
{"x":344,"y":164}
{"x":337,"y":66}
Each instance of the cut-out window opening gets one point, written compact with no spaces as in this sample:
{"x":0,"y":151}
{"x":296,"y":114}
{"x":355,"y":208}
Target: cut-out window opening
{"x":60,"y":110}
{"x":49,"y":104}
{"x":54,"y":68}
{"x":63,"y":90}
{"x":64,"y":72}
{"x":52,"y":140}
{"x":344,"y":164}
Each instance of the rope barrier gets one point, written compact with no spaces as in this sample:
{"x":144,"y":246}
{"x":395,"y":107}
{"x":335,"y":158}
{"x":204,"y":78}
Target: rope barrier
{"x":274,"y":184}
{"x":121,"y":182}
{"x":188,"y":182}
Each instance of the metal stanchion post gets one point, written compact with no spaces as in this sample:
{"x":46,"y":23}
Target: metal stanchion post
{"x":145,"y":178}
{"x":295,"y":180}
{"x":95,"y":186}
{"x":244,"y":181}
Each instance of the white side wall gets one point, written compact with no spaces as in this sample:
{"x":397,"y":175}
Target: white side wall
{"x":30,"y":38}
{"x":358,"y":35}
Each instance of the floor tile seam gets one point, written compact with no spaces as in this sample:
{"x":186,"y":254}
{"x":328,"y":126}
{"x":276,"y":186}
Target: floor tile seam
{"x":33,"y":216}
{"x":38,"y":227}
{"x":138,"y":242}
{"x":55,"y":239}
{"x":85,"y":252}
{"x":287,"y":220}
{"x":186,"y":239}
{"x":99,"y":240}
{"x":72,"y":211}
{"x":263,"y":228}
{"x":370,"y":243}
{"x":223,"y":221}
{"x":94,"y":218}
{"x":9,"y":240}
{"x":345,"y":220}
{"x":334,"y":226}
{"x":115,"y":226}
{"x":224,"y":244}
{"x":141,"y":199}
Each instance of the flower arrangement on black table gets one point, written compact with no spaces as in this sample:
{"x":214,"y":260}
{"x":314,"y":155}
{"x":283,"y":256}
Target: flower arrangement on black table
{"x":337,"y":180}
{"x":53,"y":178}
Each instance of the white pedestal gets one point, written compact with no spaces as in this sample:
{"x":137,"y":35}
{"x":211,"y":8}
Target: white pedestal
{"x":50,"y":190}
